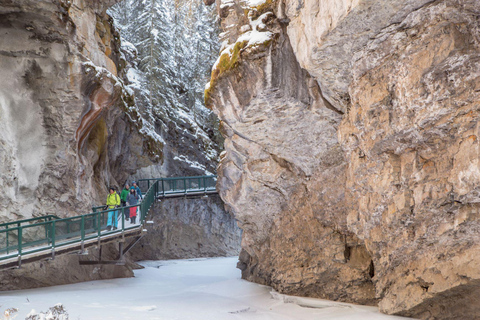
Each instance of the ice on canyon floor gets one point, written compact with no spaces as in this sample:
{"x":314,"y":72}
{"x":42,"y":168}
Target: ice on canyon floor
{"x":196,"y":289}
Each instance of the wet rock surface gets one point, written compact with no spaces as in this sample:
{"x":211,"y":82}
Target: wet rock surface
{"x":351,"y":139}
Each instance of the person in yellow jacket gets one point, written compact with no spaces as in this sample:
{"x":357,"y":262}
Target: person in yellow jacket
{"x":113,"y":201}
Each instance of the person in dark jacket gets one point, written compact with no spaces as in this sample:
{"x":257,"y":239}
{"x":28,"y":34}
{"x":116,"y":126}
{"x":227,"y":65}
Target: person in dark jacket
{"x":133,"y":201}
{"x":137,"y":189}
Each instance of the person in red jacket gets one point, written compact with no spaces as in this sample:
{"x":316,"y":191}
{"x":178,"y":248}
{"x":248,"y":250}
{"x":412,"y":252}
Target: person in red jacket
{"x":133,"y":201}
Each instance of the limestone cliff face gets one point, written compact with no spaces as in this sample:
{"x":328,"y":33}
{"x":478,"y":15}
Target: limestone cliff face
{"x":63,"y":116}
{"x":351,"y":149}
{"x":61,"y":100}
{"x":283,"y":174}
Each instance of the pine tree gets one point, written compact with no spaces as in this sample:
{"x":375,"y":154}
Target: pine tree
{"x":177,"y":43}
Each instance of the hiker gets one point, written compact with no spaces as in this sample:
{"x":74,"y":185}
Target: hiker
{"x":137,"y":189}
{"x":123,"y":200}
{"x":113,"y":201}
{"x":133,"y":201}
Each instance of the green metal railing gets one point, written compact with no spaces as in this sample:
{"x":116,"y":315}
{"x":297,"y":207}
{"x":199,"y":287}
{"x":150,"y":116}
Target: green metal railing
{"x":19,"y":238}
{"x":177,"y":186}
{"x":8,"y":230}
{"x":53,"y":233}
{"x":17,"y":223}
{"x":182,"y":185}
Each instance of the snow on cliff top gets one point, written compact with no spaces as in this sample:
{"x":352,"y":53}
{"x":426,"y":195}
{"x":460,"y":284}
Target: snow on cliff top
{"x":256,"y":36}
{"x":255,"y":3}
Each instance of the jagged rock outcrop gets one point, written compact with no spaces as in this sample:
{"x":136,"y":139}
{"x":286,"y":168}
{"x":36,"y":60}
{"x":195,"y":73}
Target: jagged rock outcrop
{"x":188,"y":228}
{"x":351,"y":149}
{"x":414,"y":117}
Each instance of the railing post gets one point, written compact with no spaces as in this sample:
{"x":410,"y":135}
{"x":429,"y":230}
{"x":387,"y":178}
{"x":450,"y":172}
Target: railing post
{"x":204,"y":185}
{"x":163,"y":187}
{"x":20,"y":240}
{"x":185,"y":184}
{"x":53,"y":234}
{"x":7,"y":237}
{"x":82,"y":232}
{"x":99,"y":222}
{"x":46,"y":229}
{"x":123,"y":218}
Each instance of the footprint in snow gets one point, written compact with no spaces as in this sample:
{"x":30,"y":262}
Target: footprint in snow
{"x":241,"y":311}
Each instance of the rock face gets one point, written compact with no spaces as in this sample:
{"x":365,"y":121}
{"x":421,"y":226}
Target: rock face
{"x":188,"y":228}
{"x":414,"y":117}
{"x":61,"y":100}
{"x":352,"y":155}
{"x":62,"y":110}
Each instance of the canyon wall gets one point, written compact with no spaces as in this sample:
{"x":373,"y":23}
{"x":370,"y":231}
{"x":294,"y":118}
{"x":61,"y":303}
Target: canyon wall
{"x":352,"y":149}
{"x":63,"y":103}
{"x":188,"y":228}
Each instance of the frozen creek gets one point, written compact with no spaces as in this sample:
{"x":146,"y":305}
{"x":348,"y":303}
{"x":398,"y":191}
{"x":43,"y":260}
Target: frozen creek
{"x":196,"y":289}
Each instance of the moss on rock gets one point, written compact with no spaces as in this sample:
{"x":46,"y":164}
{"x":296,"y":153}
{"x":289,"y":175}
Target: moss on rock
{"x":227,"y":61}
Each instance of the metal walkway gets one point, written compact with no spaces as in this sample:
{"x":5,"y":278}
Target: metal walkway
{"x":44,"y":237}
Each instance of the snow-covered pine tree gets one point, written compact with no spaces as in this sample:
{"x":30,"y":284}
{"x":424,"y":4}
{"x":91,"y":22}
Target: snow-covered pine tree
{"x":177,"y":43}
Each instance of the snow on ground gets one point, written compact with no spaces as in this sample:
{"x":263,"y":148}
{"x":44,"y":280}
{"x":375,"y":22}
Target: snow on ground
{"x":196,"y":289}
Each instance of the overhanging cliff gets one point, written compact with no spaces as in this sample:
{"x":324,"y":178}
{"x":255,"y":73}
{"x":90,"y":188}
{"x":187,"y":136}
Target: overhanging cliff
{"x":62,"y":99}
